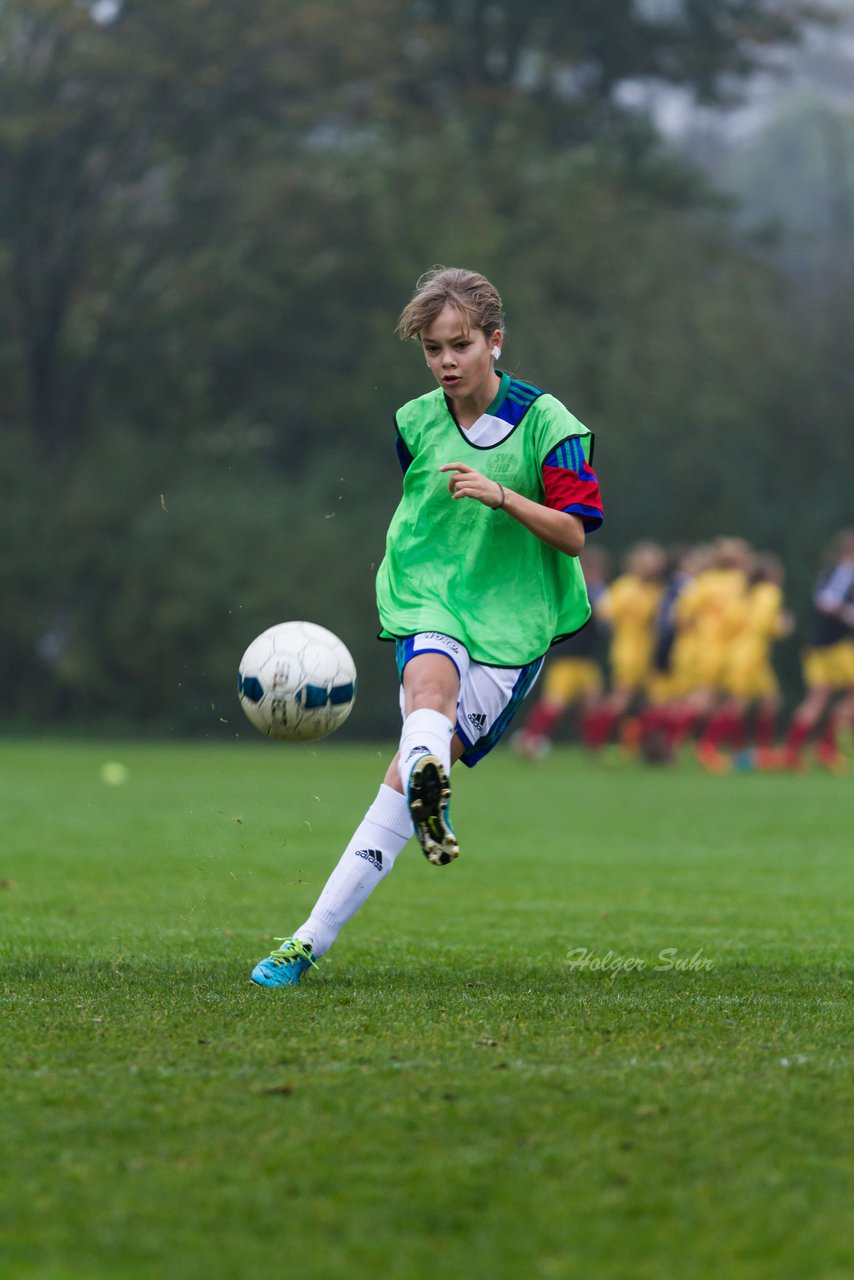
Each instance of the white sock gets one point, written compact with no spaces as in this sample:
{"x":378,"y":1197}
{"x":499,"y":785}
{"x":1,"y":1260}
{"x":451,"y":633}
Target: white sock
{"x":367,"y":860}
{"x":424,"y":731}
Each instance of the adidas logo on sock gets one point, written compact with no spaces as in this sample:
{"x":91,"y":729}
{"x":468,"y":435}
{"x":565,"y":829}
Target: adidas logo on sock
{"x":478,"y":719}
{"x":418,"y":751}
{"x":374,"y":856}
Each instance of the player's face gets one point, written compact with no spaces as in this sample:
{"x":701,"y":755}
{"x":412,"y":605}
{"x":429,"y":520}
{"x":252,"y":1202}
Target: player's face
{"x":460,"y":360}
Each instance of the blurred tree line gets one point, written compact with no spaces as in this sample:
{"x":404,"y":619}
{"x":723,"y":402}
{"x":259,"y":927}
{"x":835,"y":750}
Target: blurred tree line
{"x":210,"y":217}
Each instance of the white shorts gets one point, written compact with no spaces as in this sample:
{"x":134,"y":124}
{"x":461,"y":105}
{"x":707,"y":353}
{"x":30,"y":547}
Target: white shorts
{"x":489,"y":696}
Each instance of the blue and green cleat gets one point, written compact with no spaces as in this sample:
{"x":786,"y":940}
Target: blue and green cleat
{"x":429,"y":799}
{"x":285,"y":966}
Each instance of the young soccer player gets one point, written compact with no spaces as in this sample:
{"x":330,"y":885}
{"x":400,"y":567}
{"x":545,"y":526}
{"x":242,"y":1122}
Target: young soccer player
{"x":629,"y":607}
{"x":708,"y":616}
{"x":479,"y":578}
{"x":748,"y":682}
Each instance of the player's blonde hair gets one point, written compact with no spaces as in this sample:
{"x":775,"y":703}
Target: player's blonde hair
{"x":732,"y":553}
{"x":645,"y":559}
{"x":476,"y":301}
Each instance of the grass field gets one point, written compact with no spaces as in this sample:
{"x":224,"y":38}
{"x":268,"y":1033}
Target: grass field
{"x":463,"y":1089}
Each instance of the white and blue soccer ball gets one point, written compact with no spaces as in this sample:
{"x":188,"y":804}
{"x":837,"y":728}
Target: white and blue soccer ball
{"x":297,"y":682}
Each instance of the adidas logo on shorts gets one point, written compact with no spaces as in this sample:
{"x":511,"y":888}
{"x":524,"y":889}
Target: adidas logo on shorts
{"x":478,"y":719}
{"x":374,"y":856}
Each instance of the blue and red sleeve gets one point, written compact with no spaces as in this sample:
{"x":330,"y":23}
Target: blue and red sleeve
{"x":571,"y":485}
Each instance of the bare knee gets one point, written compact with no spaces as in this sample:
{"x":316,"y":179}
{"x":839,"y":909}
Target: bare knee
{"x":431,"y":681}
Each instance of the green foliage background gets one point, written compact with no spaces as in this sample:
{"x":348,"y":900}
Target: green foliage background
{"x":209,"y":220}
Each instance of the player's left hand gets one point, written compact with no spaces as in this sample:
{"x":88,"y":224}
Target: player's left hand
{"x":465,"y":482}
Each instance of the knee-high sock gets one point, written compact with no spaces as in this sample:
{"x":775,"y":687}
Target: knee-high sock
{"x":367,"y":860}
{"x":424,"y":731}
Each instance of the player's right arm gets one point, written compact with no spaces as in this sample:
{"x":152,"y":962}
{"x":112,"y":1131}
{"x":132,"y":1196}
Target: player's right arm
{"x":559,"y":529}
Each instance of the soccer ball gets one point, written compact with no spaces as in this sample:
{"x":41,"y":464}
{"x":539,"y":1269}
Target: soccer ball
{"x":297,"y":682}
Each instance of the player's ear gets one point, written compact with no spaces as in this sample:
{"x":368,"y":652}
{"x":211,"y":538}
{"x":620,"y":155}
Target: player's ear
{"x":495,"y":344}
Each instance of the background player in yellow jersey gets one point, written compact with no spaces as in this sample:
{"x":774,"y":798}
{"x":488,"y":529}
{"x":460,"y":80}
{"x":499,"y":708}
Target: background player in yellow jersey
{"x":629,"y":608}
{"x":750,"y":690}
{"x":669,"y":715}
{"x":709,"y":615}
